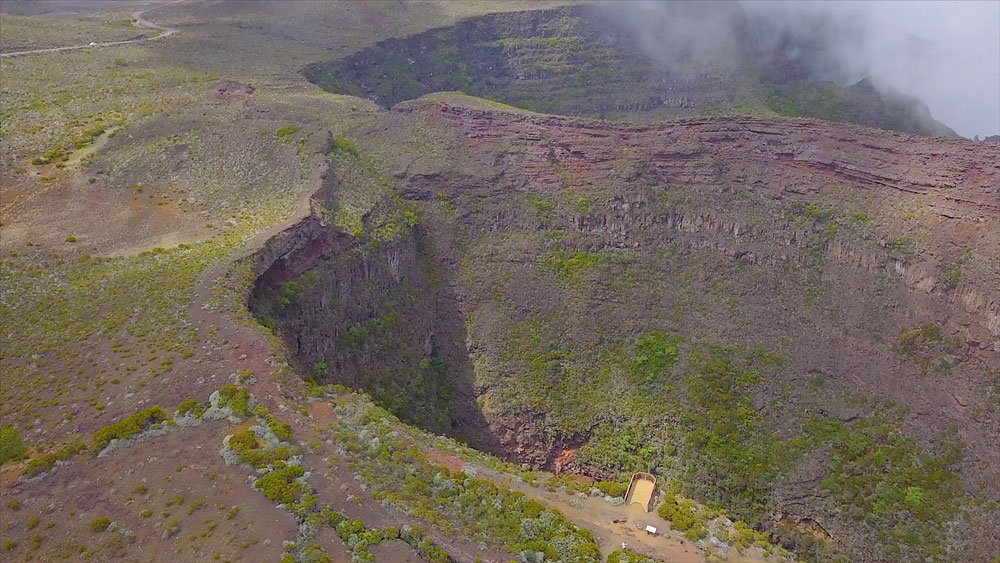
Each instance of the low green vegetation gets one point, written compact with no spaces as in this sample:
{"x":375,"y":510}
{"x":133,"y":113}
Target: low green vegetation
{"x":11,"y":446}
{"x":743,"y":536}
{"x":684,"y":515}
{"x":612,"y":488}
{"x":345,"y":145}
{"x":250,"y":451}
{"x":878,"y":476}
{"x":570,"y":266}
{"x":738,"y":456}
{"x":285,"y":132}
{"x":360,"y":539}
{"x":928,"y":347}
{"x":129,"y":427}
{"x":192,"y":406}
{"x":236,"y":398}
{"x":280,"y":483}
{"x":47,"y":461}
{"x":280,"y":429}
{"x":655,"y":355}
{"x":626,"y":556}
{"x":100,"y":524}
{"x":402,"y":476}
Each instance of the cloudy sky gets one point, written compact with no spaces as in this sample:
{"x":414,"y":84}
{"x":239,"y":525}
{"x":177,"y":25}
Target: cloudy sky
{"x":945,"y":53}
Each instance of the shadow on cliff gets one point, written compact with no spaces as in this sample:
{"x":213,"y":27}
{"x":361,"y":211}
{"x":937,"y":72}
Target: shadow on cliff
{"x":468,"y":421}
{"x":381,"y":317}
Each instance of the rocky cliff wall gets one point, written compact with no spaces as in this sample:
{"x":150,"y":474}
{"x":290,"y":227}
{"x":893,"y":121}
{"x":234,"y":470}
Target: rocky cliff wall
{"x":593,"y":61}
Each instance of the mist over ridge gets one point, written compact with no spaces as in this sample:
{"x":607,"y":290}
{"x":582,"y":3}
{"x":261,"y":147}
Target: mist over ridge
{"x":946,"y":54}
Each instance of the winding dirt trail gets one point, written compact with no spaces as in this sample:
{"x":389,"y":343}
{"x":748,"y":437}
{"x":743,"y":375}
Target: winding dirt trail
{"x":140,"y":21}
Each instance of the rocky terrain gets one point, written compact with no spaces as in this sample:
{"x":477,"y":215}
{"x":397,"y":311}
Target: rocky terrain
{"x":248,"y":317}
{"x":880,"y":248}
{"x":588,"y":60}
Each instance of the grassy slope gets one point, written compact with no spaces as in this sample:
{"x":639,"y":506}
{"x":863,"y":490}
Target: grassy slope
{"x":23,"y":33}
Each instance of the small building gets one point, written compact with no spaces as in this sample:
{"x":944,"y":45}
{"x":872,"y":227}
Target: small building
{"x":640,"y":490}
{"x":651,"y":530}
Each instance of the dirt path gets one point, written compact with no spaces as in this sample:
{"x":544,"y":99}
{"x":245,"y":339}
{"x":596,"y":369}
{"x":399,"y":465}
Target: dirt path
{"x":612,"y":525}
{"x":140,"y":21}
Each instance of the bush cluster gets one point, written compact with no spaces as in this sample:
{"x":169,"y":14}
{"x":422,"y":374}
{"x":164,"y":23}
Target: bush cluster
{"x":279,"y":485}
{"x":626,"y":556}
{"x":403,"y":476}
{"x":44,"y":462}
{"x":359,"y":538}
{"x":612,"y":488}
{"x":193,"y":406}
{"x":682,"y":515}
{"x":11,"y":446}
{"x":129,"y":427}
{"x":236,"y":398}
{"x":281,"y":429}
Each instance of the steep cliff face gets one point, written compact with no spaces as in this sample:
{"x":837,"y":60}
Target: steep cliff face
{"x":725,"y":301}
{"x":369,"y":316}
{"x":592,"y":61}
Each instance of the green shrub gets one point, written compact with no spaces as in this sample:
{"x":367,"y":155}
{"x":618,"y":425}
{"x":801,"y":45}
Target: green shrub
{"x":129,"y":427}
{"x":681,"y":515}
{"x":12,"y":448}
{"x":236,"y":398}
{"x":313,"y":553}
{"x":100,"y":524}
{"x":280,"y":485}
{"x":655,"y":356}
{"x":44,"y":462}
{"x":288,"y":293}
{"x":243,"y":440}
{"x":345,"y":145}
{"x":570,"y":266}
{"x":285,"y":132}
{"x":193,"y":406}
{"x":249,"y":450}
{"x":281,"y":429}
{"x":346,"y":528}
{"x":612,"y":488}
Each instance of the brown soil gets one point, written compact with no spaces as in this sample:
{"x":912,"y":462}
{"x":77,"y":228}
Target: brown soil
{"x":451,"y":462}
{"x":322,"y":412}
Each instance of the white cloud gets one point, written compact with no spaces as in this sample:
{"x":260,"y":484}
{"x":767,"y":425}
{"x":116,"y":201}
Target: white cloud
{"x":947,"y":54}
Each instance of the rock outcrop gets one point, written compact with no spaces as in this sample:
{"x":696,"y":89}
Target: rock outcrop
{"x":595,"y":61}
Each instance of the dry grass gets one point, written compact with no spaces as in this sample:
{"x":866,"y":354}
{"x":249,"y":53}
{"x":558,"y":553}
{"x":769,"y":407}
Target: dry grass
{"x":22,"y":33}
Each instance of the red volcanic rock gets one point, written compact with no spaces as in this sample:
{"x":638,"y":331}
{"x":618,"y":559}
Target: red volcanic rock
{"x":959,"y":178}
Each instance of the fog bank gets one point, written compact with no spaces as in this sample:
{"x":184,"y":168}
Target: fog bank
{"x":947,"y":54}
